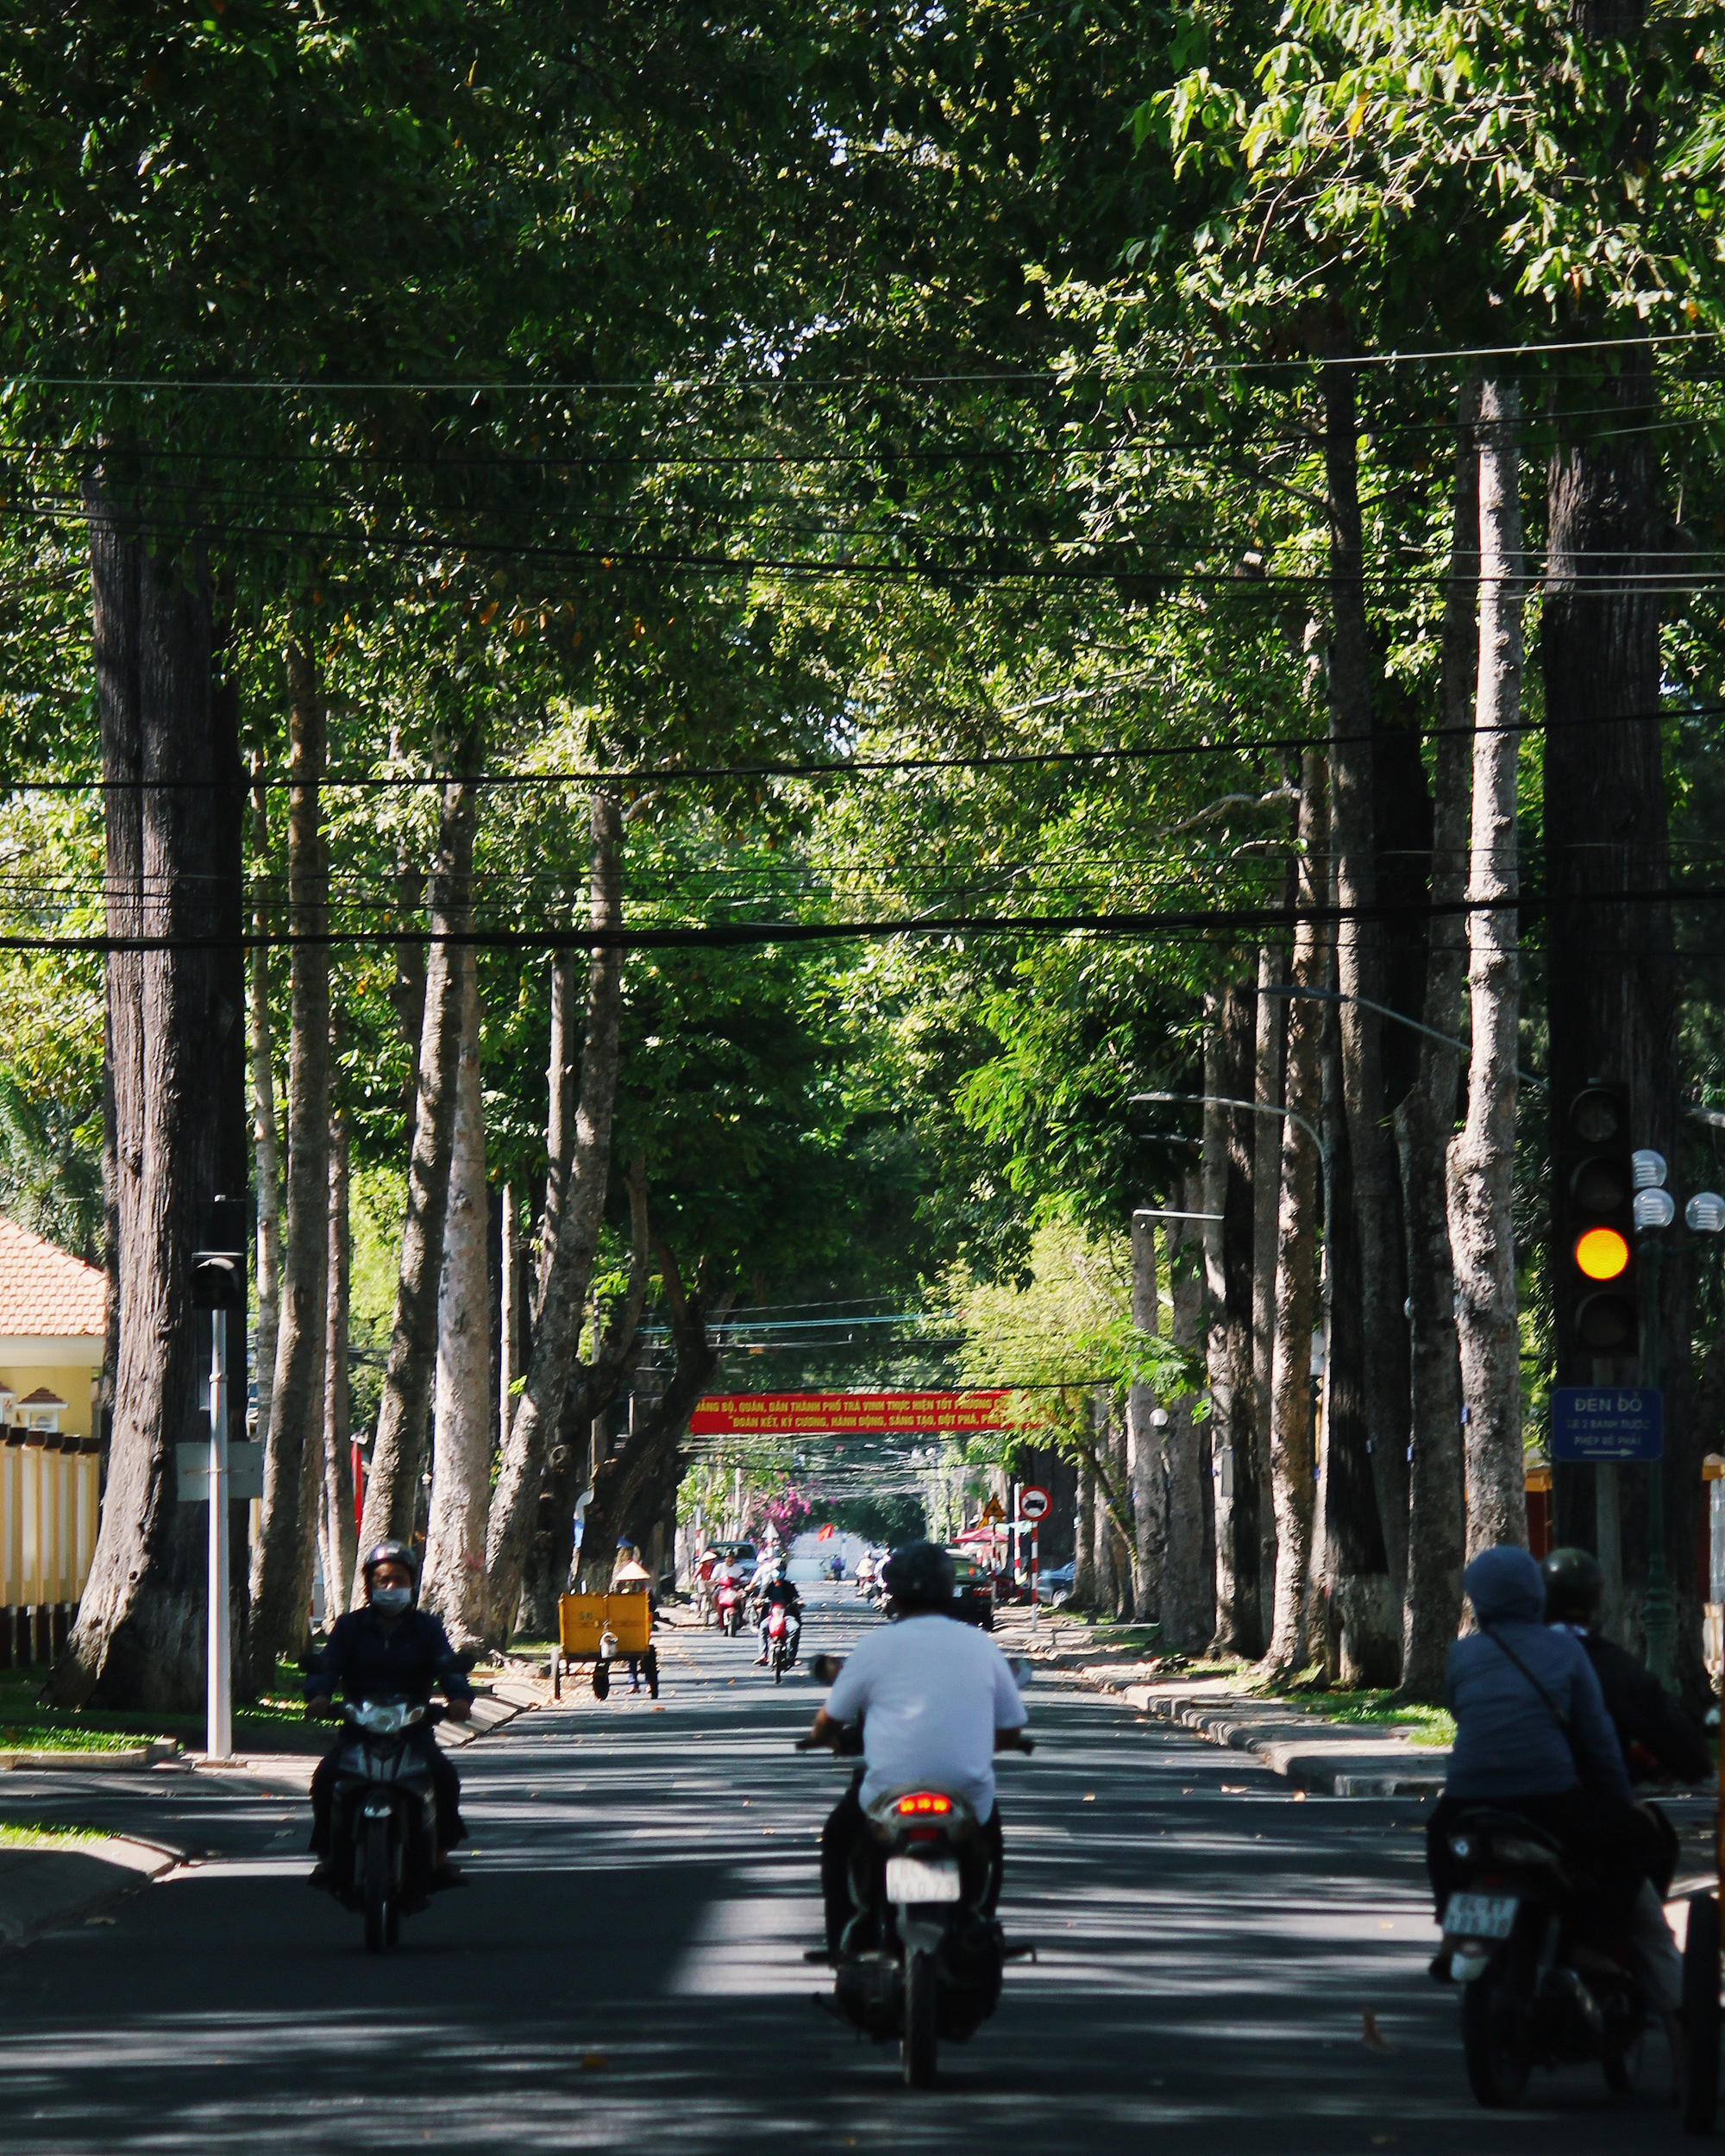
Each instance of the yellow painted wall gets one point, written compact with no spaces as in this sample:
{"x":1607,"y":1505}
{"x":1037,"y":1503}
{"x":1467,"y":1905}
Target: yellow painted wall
{"x":70,"y":1381}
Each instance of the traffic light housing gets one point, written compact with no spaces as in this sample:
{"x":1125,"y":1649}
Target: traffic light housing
{"x":1596,"y":1212}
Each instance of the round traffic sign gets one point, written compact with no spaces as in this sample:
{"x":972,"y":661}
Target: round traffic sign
{"x":1034,"y":1502}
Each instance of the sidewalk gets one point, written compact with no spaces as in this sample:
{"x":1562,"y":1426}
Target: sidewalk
{"x":1329,"y":1758}
{"x":46,"y":1884}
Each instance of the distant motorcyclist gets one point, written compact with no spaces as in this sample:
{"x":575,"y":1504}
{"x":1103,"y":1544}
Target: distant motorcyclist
{"x":390,"y":1648}
{"x":937,"y":1700}
{"x":780,"y":1592}
{"x":1533,"y":1737}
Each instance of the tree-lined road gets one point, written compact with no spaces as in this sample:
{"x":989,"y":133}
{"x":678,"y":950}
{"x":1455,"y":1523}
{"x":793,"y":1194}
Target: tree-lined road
{"x":625,"y":1968}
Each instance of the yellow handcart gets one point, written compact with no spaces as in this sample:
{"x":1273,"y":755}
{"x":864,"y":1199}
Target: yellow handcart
{"x":598,"y":1628}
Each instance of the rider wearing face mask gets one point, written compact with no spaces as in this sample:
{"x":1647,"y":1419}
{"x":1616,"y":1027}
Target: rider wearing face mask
{"x":389,"y":1649}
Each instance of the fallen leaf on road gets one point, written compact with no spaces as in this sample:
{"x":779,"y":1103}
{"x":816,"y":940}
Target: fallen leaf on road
{"x":1373,"y":2037}
{"x":101,"y":1919}
{"x":593,"y":2062}
{"x":1089,"y":1796}
{"x":1299,"y":1796}
{"x":1235,"y":1789}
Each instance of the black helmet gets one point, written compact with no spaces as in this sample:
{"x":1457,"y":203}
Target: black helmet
{"x":392,"y":1553}
{"x":921,"y":1577}
{"x":1575,"y":1588}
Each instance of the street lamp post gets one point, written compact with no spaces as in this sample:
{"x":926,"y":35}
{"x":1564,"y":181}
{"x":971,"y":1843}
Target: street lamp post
{"x":1655,"y":1209}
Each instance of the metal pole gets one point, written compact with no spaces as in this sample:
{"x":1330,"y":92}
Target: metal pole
{"x":218,"y":1737}
{"x":1035,"y":1607}
{"x":1657,"y":1617}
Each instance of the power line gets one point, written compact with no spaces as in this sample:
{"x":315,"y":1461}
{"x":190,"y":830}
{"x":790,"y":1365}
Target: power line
{"x":776,"y":383}
{"x":1209,"y":923}
{"x":662,"y":775}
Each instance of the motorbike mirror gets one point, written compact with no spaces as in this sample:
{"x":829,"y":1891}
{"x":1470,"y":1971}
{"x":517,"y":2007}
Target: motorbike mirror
{"x":1022,"y":1671}
{"x":824,"y":1668}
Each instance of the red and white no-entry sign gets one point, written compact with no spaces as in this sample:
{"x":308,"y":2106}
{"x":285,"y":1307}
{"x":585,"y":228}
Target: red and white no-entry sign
{"x":1034,"y":1502}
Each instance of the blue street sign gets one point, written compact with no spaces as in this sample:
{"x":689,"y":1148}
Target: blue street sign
{"x":1608,"y":1422}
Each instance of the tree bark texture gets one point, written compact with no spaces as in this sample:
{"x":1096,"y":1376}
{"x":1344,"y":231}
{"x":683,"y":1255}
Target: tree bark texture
{"x":1426,"y":1118}
{"x":139,"y":1640}
{"x":281,"y":1562}
{"x":1293,"y":1455}
{"x":393,"y":1488}
{"x":341,"y":1529}
{"x":515,"y":1502}
{"x":265,"y":1151}
{"x":1482,"y":1159}
{"x":1240,"y":1625}
{"x":509,"y":1293}
{"x":454,"y":1579}
{"x":1353,"y":839}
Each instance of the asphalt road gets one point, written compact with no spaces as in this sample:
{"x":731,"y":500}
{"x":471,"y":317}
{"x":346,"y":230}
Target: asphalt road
{"x":624,"y":1970}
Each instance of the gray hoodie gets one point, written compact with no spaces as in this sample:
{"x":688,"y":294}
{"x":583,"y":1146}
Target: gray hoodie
{"x":1508,"y":1741}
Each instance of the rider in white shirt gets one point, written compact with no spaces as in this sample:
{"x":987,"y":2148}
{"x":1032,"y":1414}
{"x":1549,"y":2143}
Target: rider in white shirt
{"x":937,"y":1700}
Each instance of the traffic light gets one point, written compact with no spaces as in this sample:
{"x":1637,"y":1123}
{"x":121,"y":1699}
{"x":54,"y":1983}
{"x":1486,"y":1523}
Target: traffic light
{"x":1595,"y":1214}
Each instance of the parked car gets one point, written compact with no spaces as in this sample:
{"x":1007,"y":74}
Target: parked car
{"x":1055,"y":1586}
{"x":975,"y":1599}
{"x":736,"y":1553}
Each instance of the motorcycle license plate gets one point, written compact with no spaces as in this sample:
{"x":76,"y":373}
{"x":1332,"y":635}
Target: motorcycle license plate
{"x":1480,"y":1916}
{"x":915,"y":1879}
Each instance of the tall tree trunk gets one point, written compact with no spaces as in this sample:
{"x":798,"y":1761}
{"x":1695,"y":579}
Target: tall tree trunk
{"x":1482,"y":1168}
{"x":593,"y":1388}
{"x":341,"y":1533}
{"x":1219,"y":1426}
{"x":629,"y":1487}
{"x":139,"y":1640}
{"x":1189,"y":1564}
{"x":508,"y":1316}
{"x":560,"y":1120}
{"x":1354,"y":839}
{"x":1361,"y":1617}
{"x":281,"y":1563}
{"x":1267,"y":1086}
{"x":1292,"y":1451}
{"x":1239,"y":1612}
{"x":407,"y":989}
{"x":1426,"y":1118}
{"x":1084,"y":1542}
{"x":454,"y":1580}
{"x":1143,"y":1438}
{"x":515,"y":1502}
{"x":393,"y":1488}
{"x":264,"y":1146}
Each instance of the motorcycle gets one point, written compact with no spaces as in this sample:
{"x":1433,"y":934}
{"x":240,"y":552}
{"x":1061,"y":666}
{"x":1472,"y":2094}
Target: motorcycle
{"x":729,"y":1602}
{"x":922,"y":1959}
{"x":1531,"y":1995}
{"x":782,"y":1631}
{"x":383,"y":1817}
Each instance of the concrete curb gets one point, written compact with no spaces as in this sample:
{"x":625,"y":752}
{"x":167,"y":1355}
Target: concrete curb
{"x":45,"y":1885}
{"x":90,"y":1761}
{"x":1324,"y":1758}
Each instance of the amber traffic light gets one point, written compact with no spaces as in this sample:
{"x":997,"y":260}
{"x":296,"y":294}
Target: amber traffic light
{"x":1602,"y":1253}
{"x":1596,"y":1222}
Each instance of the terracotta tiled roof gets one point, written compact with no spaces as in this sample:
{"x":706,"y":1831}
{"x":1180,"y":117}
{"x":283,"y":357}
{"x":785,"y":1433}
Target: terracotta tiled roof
{"x":41,"y":1398}
{"x":46,"y":1290}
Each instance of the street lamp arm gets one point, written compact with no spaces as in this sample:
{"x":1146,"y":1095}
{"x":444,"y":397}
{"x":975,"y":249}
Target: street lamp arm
{"x":1292,"y":989}
{"x":1256,"y":1107}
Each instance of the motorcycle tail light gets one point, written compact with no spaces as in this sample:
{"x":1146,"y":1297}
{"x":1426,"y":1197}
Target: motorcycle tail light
{"x":924,"y":1800}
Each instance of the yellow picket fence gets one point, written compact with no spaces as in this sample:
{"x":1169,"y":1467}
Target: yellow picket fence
{"x":49,"y":1492}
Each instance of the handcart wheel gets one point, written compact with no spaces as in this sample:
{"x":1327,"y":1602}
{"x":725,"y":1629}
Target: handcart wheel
{"x":601,"y":1679}
{"x":1700,"y":2015}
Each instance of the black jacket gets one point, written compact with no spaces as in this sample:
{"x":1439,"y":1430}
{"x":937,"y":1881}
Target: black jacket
{"x":409,"y":1662}
{"x":1657,"y":1738}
